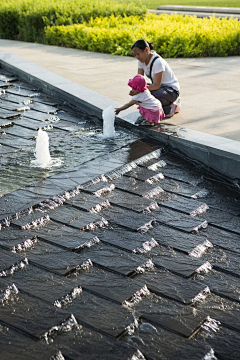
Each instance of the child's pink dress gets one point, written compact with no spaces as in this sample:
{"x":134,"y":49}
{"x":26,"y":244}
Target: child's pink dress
{"x":149,"y":107}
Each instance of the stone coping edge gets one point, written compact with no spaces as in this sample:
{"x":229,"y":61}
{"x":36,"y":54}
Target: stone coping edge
{"x":215,"y":152}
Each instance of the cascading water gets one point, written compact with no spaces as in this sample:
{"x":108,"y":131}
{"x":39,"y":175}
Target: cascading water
{"x":108,"y":116}
{"x":42,"y":153}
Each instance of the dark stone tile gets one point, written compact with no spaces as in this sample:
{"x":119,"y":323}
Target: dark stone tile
{"x":87,"y":202}
{"x":185,"y":325}
{"x":32,"y":220}
{"x":17,"y":240}
{"x":25,"y":347}
{"x":178,"y":173}
{"x":226,"y":261}
{"x":21,"y":132}
{"x":11,"y":262}
{"x":179,"y":221}
{"x":17,"y":99}
{"x":32,"y":315}
{"x":50,"y":187}
{"x":5,"y":149}
{"x":17,"y":202}
{"x":43,"y":108}
{"x":55,"y":289}
{"x":102,"y":314}
{"x":7,"y":114}
{"x":117,"y":260}
{"x":145,"y":174}
{"x":223,"y":311}
{"x":76,"y":218}
{"x":130,"y":201}
{"x":223,"y":203}
{"x":173,"y":287}
{"x":225,"y":342}
{"x":224,"y":285}
{"x":36,"y":115}
{"x":223,"y":238}
{"x":129,"y":219}
{"x":133,"y":185}
{"x":178,"y":263}
{"x":187,"y":206}
{"x":68,"y":238}
{"x":58,"y":260}
{"x":223,"y":220}
{"x":193,"y":244}
{"x":18,"y":90}
{"x":111,"y":285}
{"x":158,"y":343}
{"x":128,"y":240}
{"x":15,"y":141}
{"x":91,"y":345}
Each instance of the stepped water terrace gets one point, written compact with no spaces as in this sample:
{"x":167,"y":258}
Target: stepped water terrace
{"x":121,"y":249}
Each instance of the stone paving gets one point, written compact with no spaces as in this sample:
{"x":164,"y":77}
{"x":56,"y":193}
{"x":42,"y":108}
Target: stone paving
{"x":134,"y":254}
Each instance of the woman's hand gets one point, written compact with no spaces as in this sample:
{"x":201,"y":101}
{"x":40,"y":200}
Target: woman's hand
{"x":117,"y":111}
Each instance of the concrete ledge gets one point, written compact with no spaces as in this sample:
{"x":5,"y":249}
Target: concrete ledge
{"x":216,"y":153}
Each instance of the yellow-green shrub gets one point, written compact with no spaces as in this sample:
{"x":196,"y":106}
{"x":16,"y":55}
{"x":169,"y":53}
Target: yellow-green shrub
{"x":173,"y":35}
{"x":25,"y":19}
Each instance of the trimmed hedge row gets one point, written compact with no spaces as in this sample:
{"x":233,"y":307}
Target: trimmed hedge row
{"x":173,"y":35}
{"x":26,"y":19}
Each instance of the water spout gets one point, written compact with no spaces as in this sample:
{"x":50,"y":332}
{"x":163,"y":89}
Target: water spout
{"x":108,"y":116}
{"x":42,"y":154}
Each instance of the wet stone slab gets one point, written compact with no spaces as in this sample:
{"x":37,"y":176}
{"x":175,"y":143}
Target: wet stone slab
{"x":11,"y":262}
{"x":226,"y":261}
{"x":19,"y":201}
{"x":178,"y":263}
{"x":32,"y":220}
{"x":173,"y":287}
{"x":193,"y":244}
{"x":117,"y":260}
{"x":133,"y":185}
{"x":187,"y":206}
{"x":68,"y":238}
{"x":102,"y":314}
{"x":178,"y":173}
{"x":32,"y":315}
{"x":5,"y":149}
{"x":179,"y":221}
{"x":129,"y":219}
{"x":222,"y":238}
{"x":88,"y":202}
{"x":225,"y":342}
{"x":224,"y":285}
{"x":158,"y":343}
{"x":7,"y":114}
{"x":223,"y":220}
{"x":17,"y":240}
{"x":15,"y":141}
{"x":57,"y":260}
{"x":92,"y":345}
{"x":76,"y":218}
{"x":130,"y":201}
{"x":110,"y":285}
{"x":55,"y":289}
{"x":20,"y":132}
{"x":25,"y":347}
{"x":128,"y":240}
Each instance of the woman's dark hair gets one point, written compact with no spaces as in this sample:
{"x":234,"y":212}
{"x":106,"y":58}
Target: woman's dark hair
{"x":142,"y":44}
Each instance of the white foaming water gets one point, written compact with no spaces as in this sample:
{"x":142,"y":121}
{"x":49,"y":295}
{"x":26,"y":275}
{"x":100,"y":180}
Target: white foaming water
{"x":108,"y":116}
{"x":42,"y":153}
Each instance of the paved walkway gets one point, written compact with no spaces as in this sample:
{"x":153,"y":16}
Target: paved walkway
{"x":210,"y":87}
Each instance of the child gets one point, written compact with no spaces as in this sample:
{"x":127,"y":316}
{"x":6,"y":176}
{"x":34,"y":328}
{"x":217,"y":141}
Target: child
{"x":149,"y":107}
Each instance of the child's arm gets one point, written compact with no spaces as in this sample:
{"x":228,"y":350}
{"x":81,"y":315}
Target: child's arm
{"x":126,"y":106}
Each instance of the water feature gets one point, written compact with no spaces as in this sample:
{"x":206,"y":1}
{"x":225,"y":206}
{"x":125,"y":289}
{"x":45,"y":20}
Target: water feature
{"x":42,"y":153}
{"x":108,"y":122}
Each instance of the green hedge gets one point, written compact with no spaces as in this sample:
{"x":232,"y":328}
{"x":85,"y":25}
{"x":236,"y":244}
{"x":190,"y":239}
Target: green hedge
{"x":173,"y":35}
{"x":26,"y":19}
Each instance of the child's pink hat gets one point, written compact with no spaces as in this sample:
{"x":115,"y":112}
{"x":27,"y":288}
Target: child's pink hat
{"x":138,"y":83}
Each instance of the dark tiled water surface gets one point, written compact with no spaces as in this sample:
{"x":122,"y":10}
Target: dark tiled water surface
{"x":131,"y":252}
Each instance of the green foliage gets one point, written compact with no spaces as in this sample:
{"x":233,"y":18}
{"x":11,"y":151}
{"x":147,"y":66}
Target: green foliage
{"x":173,"y":35}
{"x":26,"y":19}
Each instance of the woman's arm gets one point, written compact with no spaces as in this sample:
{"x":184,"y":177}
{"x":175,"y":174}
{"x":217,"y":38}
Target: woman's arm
{"x":126,"y":106}
{"x":141,"y":71}
{"x":156,"y":81}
